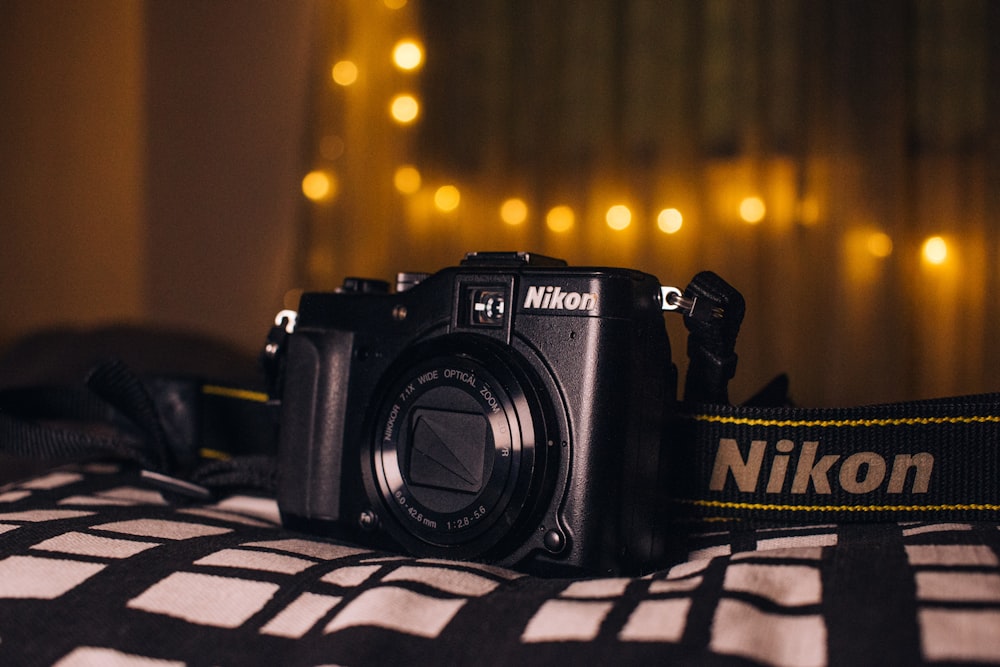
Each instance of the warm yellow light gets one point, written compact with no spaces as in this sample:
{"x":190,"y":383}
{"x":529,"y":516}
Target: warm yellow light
{"x":879,"y":244}
{"x":752,"y":210}
{"x":404,"y":108}
{"x":407,"y":179}
{"x":408,"y":54}
{"x":560,"y":219}
{"x":669,"y":221}
{"x":319,"y":185}
{"x":935,"y":250}
{"x":447,"y":197}
{"x":514,"y":211}
{"x":394,"y":4}
{"x":618,"y":217}
{"x":344,"y":72}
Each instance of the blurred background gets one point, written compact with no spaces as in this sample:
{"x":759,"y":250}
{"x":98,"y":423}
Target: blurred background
{"x":194,"y":165}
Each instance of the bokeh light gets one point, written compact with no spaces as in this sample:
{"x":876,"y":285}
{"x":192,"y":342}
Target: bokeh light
{"x":514,"y":211}
{"x":319,"y":185}
{"x":560,"y":219}
{"x":752,"y":210}
{"x":447,"y":198}
{"x":618,"y":217}
{"x":408,"y":54}
{"x":407,"y":179}
{"x":669,"y":221}
{"x":935,"y":250}
{"x":344,"y":72}
{"x":404,"y":108}
{"x":879,"y":244}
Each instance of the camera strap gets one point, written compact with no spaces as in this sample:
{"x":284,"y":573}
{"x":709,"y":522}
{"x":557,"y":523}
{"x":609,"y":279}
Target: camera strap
{"x":188,"y":437}
{"x":923,"y":460}
{"x":769,"y":461}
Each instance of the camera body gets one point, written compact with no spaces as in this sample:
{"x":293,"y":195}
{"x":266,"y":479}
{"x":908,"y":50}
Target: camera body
{"x":511,"y":410}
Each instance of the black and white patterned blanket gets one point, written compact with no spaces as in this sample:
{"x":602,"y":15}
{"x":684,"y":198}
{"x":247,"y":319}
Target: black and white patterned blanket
{"x":97,"y":570}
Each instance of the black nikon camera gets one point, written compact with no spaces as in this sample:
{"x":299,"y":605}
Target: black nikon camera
{"x":510,"y":410}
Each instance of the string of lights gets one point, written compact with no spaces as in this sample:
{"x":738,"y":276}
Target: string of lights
{"x":408,"y":54}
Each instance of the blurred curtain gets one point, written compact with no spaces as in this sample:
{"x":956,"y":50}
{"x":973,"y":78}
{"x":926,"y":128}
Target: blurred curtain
{"x":864,"y":128}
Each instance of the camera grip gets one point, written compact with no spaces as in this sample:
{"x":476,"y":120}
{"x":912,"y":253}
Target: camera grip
{"x":313,"y":424}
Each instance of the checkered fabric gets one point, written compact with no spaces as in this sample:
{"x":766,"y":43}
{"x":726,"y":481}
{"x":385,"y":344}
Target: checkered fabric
{"x":97,"y":570}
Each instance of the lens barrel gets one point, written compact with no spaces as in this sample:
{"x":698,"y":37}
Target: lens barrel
{"x":458,"y":448}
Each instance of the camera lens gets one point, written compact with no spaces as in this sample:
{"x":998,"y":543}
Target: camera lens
{"x":454,"y":454}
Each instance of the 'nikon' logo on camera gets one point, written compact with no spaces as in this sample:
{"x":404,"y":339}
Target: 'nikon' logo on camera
{"x":861,"y":472}
{"x":548,"y":297}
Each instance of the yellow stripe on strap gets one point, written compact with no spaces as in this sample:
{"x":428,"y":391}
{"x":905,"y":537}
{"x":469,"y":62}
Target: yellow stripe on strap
{"x":792,"y":423}
{"x":232,"y":392}
{"x":774,"y":507}
{"x":214,"y":454}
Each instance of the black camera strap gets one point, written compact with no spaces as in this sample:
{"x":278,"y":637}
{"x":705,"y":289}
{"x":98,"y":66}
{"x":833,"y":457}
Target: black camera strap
{"x":188,"y":437}
{"x":923,"y":460}
{"x":770,"y":461}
